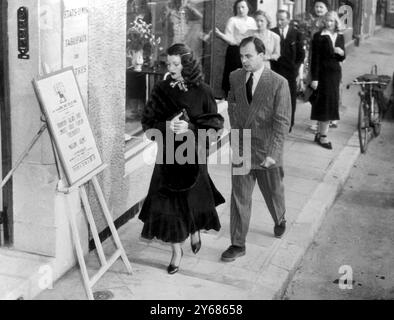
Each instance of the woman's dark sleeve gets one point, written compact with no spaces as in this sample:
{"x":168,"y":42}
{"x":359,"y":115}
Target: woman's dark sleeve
{"x":210,"y":119}
{"x":341,"y":44}
{"x":154,"y":116}
{"x":315,"y":61}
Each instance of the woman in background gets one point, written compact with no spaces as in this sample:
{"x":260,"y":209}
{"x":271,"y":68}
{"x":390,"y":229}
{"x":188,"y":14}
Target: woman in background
{"x":320,"y":9}
{"x":270,"y":39}
{"x":236,"y":29}
{"x":328,"y":51}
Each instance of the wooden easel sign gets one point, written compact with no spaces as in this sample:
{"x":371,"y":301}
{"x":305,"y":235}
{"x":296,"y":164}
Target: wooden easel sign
{"x":61,"y":103}
{"x":63,"y":107}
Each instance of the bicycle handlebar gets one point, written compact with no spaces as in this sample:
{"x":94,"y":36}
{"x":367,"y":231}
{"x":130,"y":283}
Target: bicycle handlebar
{"x":362,"y":83}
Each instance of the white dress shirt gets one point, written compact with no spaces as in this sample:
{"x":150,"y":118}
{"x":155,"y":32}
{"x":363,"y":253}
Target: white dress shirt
{"x":256,"y":78}
{"x":333,"y":36}
{"x":285,"y":31}
{"x":237,"y":28}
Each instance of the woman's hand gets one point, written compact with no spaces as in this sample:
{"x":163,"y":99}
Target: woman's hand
{"x":179,"y":126}
{"x":225,"y":37}
{"x":314,"y":84}
{"x":218,"y":32}
{"x":339,"y":51}
{"x":206,"y":36}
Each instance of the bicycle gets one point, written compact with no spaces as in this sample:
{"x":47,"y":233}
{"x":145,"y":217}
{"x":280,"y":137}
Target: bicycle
{"x":369,"y":112}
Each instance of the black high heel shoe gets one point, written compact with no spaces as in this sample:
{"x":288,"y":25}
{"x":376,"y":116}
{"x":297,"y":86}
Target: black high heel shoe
{"x":196,"y":246}
{"x":326,"y":145}
{"x":171,"y":269}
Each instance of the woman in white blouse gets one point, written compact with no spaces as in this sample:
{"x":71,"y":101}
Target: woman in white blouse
{"x":237,"y":28}
{"x":270,"y":39}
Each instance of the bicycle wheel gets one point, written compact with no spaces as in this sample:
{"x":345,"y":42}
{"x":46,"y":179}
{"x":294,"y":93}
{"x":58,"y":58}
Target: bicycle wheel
{"x":363,"y":125}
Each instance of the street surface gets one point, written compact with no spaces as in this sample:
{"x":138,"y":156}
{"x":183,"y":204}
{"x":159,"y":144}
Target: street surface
{"x":358,"y":231}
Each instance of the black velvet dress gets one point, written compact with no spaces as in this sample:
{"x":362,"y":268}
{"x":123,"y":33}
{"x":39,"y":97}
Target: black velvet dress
{"x":182,"y":198}
{"x":326,"y":68}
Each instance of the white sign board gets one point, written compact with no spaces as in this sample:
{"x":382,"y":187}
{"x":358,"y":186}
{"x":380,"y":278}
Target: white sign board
{"x":62,"y":105}
{"x":75,"y":40}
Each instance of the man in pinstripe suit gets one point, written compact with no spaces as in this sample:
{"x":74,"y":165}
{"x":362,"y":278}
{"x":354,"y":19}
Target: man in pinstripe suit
{"x":259,"y":100}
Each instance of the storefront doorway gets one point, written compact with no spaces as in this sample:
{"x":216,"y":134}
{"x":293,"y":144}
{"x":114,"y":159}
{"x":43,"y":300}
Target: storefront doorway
{"x":380,"y":12}
{"x":5,"y":127}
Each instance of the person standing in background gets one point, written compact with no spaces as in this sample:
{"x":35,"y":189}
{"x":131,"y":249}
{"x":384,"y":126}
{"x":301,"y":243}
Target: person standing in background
{"x":292,"y":55}
{"x":320,"y":9}
{"x":328,"y":51}
{"x":270,"y":39}
{"x":236,"y":29}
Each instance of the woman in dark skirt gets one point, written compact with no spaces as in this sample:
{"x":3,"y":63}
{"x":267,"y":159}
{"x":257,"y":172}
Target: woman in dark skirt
{"x":328,"y":50}
{"x":182,"y":198}
{"x":237,"y":28}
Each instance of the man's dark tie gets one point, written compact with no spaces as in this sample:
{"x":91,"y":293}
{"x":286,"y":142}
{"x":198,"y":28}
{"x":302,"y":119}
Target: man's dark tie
{"x":282,"y":37}
{"x":249,"y":86}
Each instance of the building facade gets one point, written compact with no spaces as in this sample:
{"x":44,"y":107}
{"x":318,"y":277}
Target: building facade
{"x":115,"y":69}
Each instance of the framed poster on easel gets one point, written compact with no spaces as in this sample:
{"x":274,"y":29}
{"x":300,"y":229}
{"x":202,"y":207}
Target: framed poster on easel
{"x":62,"y":105}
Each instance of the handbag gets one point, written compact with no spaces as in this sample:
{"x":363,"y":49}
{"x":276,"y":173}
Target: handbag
{"x":180,"y":177}
{"x":308,"y":92}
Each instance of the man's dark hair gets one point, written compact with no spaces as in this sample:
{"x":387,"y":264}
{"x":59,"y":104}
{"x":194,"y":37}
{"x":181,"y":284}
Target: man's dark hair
{"x":192,"y":71}
{"x":258,"y":44}
{"x":284,"y":11}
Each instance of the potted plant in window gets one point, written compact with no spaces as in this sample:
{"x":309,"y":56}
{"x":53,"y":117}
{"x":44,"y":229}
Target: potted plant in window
{"x":140,"y":37}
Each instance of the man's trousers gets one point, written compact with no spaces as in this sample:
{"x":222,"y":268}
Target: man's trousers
{"x":270,"y":182}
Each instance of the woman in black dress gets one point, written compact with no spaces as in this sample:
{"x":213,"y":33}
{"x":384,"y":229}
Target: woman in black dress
{"x":328,"y":50}
{"x":182,"y":198}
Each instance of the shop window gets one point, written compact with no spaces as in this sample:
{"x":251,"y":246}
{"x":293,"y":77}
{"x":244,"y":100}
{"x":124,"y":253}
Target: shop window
{"x":153,"y":26}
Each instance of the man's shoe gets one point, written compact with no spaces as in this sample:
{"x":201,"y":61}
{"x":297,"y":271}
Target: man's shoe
{"x":232,"y":253}
{"x":280,"y":229}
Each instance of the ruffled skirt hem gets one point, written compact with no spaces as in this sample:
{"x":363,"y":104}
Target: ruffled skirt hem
{"x":173,"y":229}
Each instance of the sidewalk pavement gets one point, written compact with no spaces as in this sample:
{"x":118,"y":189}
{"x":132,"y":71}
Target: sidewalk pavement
{"x":313,"y":178}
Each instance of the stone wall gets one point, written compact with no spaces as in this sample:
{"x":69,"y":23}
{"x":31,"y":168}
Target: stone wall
{"x":106,"y":97}
{"x":40,"y":212}
{"x":34,"y":183}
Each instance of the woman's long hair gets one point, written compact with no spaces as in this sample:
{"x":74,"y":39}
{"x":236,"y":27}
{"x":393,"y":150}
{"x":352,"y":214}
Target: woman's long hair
{"x":192,"y":71}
